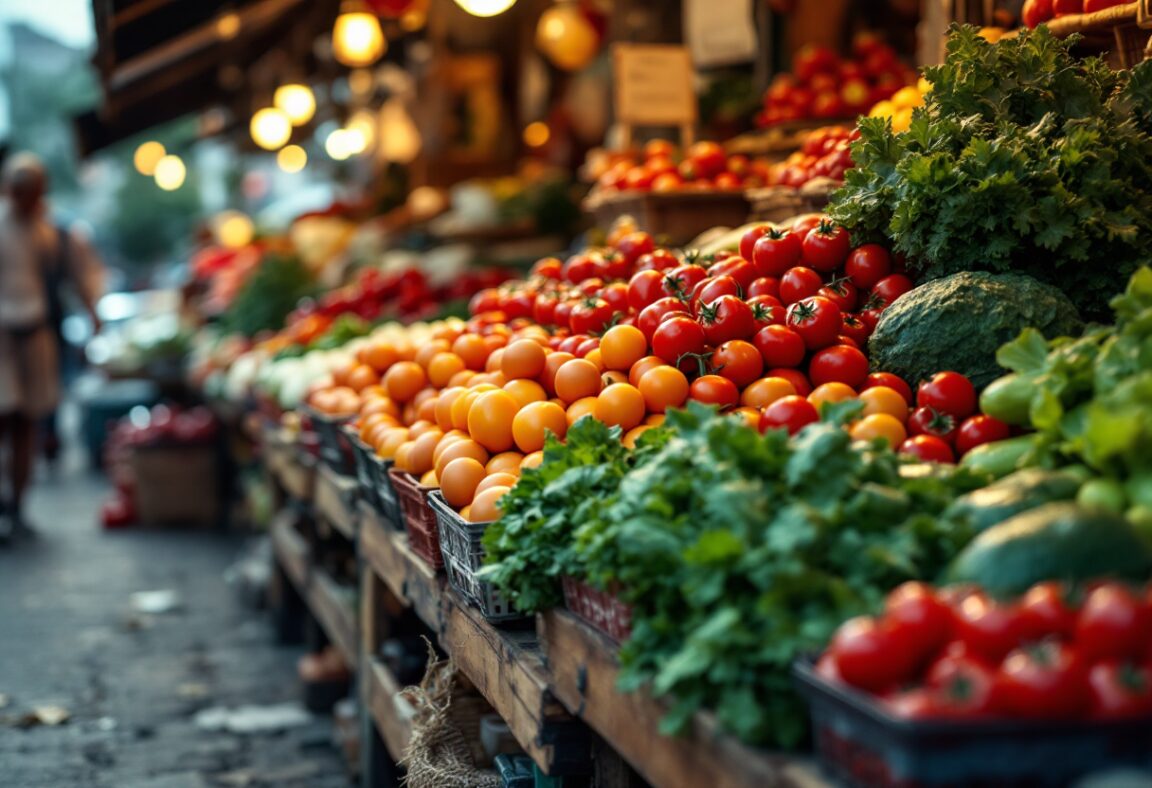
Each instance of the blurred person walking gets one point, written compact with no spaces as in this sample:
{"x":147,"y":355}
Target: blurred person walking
{"x":37,"y":260}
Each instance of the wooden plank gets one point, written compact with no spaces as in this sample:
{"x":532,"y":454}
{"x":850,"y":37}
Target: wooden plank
{"x":292,"y":468}
{"x":391,"y":712}
{"x":291,"y":550}
{"x":508,"y":669}
{"x":407,"y":575}
{"x":583,"y":670}
{"x":334,"y":500}
{"x":338,"y":622}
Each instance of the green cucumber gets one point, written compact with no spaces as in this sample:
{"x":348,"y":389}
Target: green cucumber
{"x":1009,"y":399}
{"x":999,"y":458}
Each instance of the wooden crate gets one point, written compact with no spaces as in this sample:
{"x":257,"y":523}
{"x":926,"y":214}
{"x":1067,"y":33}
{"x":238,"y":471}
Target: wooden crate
{"x":177,"y":484}
{"x":674,"y":218}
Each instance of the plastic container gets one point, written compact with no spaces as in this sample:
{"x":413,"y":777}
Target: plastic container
{"x":859,"y":743}
{"x":463,"y":549}
{"x":419,"y":519}
{"x":335,"y":447}
{"x":385,"y":491}
{"x":516,"y":771}
{"x":362,"y":454}
{"x":600,"y":609}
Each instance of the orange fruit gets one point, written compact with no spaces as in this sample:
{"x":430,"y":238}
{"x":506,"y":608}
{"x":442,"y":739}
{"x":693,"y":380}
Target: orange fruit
{"x":490,"y":420}
{"x":881,"y":399}
{"x":497,"y":480}
{"x":643,"y":365}
{"x":362,"y":376}
{"x":879,"y":425}
{"x":831,"y":392}
{"x":763,"y":392}
{"x":462,"y":447}
{"x":404,"y":380}
{"x":380,"y":356}
{"x":630,"y":437}
{"x":459,"y":479}
{"x":526,"y":391}
{"x":486,"y":505}
{"x":622,"y":346}
{"x":442,"y":367}
{"x":576,"y":379}
{"x":585,"y":406}
{"x":621,"y":404}
{"x":663,"y":387}
{"x":420,"y":455}
{"x":524,"y":358}
{"x":505,"y":462}
{"x":532,"y":460}
{"x":472,"y":349}
{"x":444,"y":406}
{"x":532,"y":424}
{"x":429,"y":350}
{"x":551,"y":364}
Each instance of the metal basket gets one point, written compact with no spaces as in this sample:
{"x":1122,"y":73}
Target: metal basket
{"x":461,"y":542}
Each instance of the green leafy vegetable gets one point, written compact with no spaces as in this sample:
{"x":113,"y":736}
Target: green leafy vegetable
{"x":1024,"y":158}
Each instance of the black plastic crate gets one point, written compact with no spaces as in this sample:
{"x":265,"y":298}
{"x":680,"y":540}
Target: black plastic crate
{"x":335,"y":447}
{"x":860,"y":744}
{"x":362,"y":455}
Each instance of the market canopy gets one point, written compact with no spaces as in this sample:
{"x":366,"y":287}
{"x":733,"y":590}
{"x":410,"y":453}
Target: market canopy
{"x":161,"y":59}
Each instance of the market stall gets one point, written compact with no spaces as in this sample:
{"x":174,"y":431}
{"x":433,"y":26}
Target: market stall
{"x":813,"y":454}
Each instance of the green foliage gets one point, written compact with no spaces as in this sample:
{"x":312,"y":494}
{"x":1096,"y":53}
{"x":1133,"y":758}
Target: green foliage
{"x":270,"y":293}
{"x":737,"y":551}
{"x":1090,"y":397}
{"x":1023,"y":159}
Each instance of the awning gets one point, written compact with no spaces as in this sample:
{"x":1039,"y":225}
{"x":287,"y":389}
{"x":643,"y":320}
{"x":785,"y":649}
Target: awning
{"x":162,"y":59}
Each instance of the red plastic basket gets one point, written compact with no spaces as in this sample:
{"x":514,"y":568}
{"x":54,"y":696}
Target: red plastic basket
{"x":419,"y":519}
{"x":600,"y":609}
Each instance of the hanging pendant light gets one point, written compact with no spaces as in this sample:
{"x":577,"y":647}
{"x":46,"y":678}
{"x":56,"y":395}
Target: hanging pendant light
{"x":485,"y":7}
{"x":170,"y":172}
{"x":357,"y":39}
{"x":270,"y":128}
{"x":296,"y":101}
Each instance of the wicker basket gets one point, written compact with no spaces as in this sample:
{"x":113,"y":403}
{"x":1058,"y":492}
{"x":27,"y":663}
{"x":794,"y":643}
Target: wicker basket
{"x":335,"y":448}
{"x":1121,"y":31}
{"x":600,"y":609}
{"x":463,"y":549}
{"x":780,"y":203}
{"x":419,"y":519}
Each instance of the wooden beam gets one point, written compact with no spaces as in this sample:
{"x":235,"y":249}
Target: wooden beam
{"x":138,"y":10}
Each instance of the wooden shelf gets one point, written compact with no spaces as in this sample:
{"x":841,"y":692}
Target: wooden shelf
{"x":293,"y":468}
{"x":391,"y":712}
{"x":291,"y":550}
{"x":506,"y":666}
{"x":334,"y":500}
{"x":325,"y":600}
{"x":582,"y":670}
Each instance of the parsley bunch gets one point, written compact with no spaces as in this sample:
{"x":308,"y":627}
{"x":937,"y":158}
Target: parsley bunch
{"x":1024,"y":159}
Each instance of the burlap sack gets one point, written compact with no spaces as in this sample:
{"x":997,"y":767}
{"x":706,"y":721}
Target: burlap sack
{"x":440,"y":752}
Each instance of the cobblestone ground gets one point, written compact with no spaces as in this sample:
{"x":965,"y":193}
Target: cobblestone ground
{"x":133,"y":683}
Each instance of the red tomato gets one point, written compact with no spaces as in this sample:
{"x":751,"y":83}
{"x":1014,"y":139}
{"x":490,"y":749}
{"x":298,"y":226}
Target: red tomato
{"x":1113,"y":623}
{"x":562,"y":313}
{"x":548,"y":268}
{"x":616,"y":266}
{"x":775,"y":252}
{"x":825,"y":248}
{"x":750,"y":237}
{"x":587,"y":346}
{"x":1065,"y":7}
{"x":948,"y":392}
{"x":739,"y":361}
{"x":963,"y":685}
{"x":651,"y":316}
{"x":1120,"y":689}
{"x":713,"y":287}
{"x":644,"y":288}
{"x":988,"y":627}
{"x":638,"y":179}
{"x":570,"y":344}
{"x":779,"y":346}
{"x":868,"y":264}
{"x":659,"y":148}
{"x":657,"y":260}
{"x":804,"y":224}
{"x":676,"y":336}
{"x":979,"y":429}
{"x":590,"y":316}
{"x":667,"y":182}
{"x":842,"y":292}
{"x":866,"y":651}
{"x":838,"y":364}
{"x":635,"y":244}
{"x":764,"y":286}
{"x":929,"y":421}
{"x":887,"y":379}
{"x":792,"y":413}
{"x":590,"y":286}
{"x":544,"y":310}
{"x":486,"y":300}
{"x":853,"y":328}
{"x":616,"y":294}
{"x":891,"y":287}
{"x":922,"y":620}
{"x":797,"y":378}
{"x":1046,"y":613}
{"x":714,"y":390}
{"x":708,"y":159}
{"x":682,"y":279}
{"x":798,"y":283}
{"x":1046,"y":680}
{"x":917,"y":703}
{"x":928,"y":448}
{"x":738,"y":268}
{"x":817,"y":320}
{"x":728,"y":317}
{"x":583,"y":266}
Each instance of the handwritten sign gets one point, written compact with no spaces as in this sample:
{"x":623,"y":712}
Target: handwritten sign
{"x":654,"y":85}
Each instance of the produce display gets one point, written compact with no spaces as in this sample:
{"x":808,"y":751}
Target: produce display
{"x":904,"y":446}
{"x":1023,"y":160}
{"x":821,"y":85}
{"x":661,"y":168}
